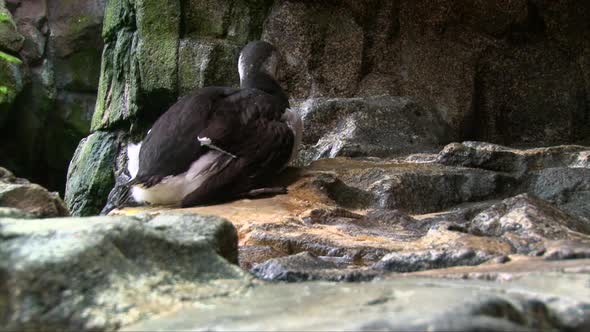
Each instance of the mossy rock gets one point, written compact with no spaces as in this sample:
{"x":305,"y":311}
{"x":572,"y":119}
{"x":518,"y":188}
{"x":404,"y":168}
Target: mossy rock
{"x":90,"y":175}
{"x":118,"y":14}
{"x":11,"y":83}
{"x":158,"y":24}
{"x":118,"y":89}
{"x":10,"y":39}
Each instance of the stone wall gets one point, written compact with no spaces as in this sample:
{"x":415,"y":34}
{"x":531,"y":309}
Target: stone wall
{"x":49,"y":72}
{"x":509,"y":72}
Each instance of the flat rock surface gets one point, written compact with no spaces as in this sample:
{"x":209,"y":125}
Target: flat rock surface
{"x":542,"y":301}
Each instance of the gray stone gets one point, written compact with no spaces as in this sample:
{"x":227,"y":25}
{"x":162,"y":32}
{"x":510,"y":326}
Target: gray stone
{"x":567,"y":188}
{"x":321,"y":46}
{"x":547,"y":301}
{"x":103,"y":273}
{"x":430,"y":259}
{"x":412,"y":187}
{"x":526,"y":222}
{"x":378,"y":127}
{"x":30,"y":198}
{"x":505,"y":159}
{"x":307,"y":267}
{"x":207,"y":63}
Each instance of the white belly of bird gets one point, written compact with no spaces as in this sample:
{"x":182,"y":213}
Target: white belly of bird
{"x":172,"y":189}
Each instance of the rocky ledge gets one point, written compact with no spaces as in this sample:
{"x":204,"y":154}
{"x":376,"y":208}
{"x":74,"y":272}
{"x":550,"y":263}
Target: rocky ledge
{"x":477,"y":236}
{"x":470,"y":204}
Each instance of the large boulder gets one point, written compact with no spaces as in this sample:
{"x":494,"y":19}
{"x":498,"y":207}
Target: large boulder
{"x":103,"y":273}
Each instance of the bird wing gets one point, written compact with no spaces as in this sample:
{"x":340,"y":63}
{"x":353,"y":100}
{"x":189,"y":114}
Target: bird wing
{"x":171,"y":145}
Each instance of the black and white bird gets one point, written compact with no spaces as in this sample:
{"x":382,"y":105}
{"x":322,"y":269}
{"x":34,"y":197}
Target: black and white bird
{"x":219,"y":143}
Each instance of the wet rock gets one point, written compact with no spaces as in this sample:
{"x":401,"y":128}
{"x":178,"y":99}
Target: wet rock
{"x":428,"y":260}
{"x":90,"y":176}
{"x":103,"y":273}
{"x":539,"y":301}
{"x":526,"y":222}
{"x":306,"y":267}
{"x":378,"y":127}
{"x":29,"y":198}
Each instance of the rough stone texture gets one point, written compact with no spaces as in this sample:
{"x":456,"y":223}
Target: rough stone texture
{"x":407,"y":214}
{"x":90,"y":176}
{"x":207,"y":63}
{"x":504,"y":159}
{"x":378,"y":127}
{"x":558,"y":174}
{"x":322,"y":47}
{"x":50,"y":110}
{"x":525,"y":222}
{"x":103,"y":273}
{"x":10,"y":39}
{"x":12,"y":84}
{"x":432,"y":259}
{"x":28,"y":198}
{"x":541,"y":301}
{"x":306,"y":267}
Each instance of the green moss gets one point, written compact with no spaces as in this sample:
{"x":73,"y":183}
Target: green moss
{"x":4,"y":17}
{"x":10,"y":58}
{"x":90,"y":176}
{"x":3,"y":89}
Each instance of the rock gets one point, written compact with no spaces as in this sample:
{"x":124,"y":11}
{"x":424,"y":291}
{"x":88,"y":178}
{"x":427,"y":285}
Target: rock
{"x":321,"y":46}
{"x":237,"y":21}
{"x":557,"y":174}
{"x":10,"y":39}
{"x":28,"y":198}
{"x":431,"y":259}
{"x":158,"y":24}
{"x":306,"y":267}
{"x":541,"y":301}
{"x":567,"y":188}
{"x":207,"y":63}
{"x":505,"y":159}
{"x":104,"y":273}
{"x":412,"y":187}
{"x":527,"y":222}
{"x":75,"y":26}
{"x":15,"y":213}
{"x":90,"y":176}
{"x":379,"y":127}
{"x":12,"y":83}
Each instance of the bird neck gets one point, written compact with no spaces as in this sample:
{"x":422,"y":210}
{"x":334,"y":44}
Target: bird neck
{"x":264,"y":82}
